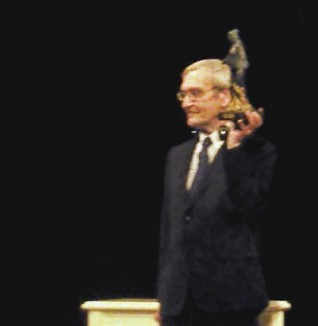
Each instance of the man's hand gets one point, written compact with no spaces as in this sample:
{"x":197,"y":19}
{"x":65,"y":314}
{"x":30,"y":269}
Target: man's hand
{"x":236,"y":132}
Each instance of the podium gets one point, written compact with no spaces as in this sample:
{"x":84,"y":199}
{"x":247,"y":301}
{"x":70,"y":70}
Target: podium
{"x":140,"y":312}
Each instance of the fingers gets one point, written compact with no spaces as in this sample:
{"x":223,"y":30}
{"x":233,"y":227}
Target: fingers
{"x":255,"y":118}
{"x":234,"y":132}
{"x":242,"y":124}
{"x":229,"y":124}
{"x":261,"y":111}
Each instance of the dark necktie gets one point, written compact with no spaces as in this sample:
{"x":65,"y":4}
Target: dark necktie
{"x":203,"y":164}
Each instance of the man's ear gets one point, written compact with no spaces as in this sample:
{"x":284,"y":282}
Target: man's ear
{"x":225,"y":97}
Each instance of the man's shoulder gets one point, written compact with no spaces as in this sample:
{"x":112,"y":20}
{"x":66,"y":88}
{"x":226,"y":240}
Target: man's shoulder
{"x":259,"y":143}
{"x":188,"y":143}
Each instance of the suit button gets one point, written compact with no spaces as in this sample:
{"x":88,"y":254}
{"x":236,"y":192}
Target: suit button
{"x":187,"y":218}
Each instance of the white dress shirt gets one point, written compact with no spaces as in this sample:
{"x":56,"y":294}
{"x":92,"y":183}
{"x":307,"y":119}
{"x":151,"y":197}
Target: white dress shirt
{"x":212,"y":151}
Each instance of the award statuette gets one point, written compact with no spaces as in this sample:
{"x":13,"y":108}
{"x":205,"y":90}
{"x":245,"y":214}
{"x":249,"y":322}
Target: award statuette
{"x":237,"y":60}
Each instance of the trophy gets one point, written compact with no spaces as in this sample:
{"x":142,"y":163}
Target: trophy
{"x":238,"y":63}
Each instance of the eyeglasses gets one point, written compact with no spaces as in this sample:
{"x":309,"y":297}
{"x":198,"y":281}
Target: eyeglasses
{"x":193,"y":94}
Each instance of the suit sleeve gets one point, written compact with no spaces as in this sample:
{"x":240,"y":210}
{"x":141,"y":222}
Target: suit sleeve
{"x":249,"y":172}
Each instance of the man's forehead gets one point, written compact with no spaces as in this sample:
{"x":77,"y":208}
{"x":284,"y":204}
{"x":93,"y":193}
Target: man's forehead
{"x":196,"y":78}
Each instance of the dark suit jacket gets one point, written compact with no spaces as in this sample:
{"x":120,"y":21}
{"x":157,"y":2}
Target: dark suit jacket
{"x":209,"y":244}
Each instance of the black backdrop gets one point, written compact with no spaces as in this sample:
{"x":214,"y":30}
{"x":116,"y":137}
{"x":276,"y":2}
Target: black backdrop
{"x":91,"y":113}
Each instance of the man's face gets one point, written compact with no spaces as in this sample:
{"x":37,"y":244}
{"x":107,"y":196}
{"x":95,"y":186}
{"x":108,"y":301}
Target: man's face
{"x":201,"y":101}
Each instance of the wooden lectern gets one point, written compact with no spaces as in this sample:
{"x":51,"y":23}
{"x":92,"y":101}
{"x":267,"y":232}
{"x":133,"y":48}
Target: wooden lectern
{"x":140,"y":312}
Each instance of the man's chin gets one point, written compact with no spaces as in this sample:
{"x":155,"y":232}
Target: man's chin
{"x":193,"y":123}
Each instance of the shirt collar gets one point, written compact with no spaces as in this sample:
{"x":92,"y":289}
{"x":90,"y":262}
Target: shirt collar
{"x":214,"y":136}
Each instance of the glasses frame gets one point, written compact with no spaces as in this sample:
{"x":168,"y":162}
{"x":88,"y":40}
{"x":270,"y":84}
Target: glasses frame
{"x":194,"y":94}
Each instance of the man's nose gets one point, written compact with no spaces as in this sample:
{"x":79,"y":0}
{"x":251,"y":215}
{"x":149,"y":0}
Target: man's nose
{"x":186,"y":102}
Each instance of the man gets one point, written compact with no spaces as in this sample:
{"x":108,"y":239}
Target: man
{"x":209,"y":264}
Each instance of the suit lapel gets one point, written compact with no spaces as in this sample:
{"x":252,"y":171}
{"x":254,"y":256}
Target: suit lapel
{"x":182,"y":166}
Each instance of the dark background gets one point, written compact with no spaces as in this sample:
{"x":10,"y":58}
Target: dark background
{"x":91,"y":112}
